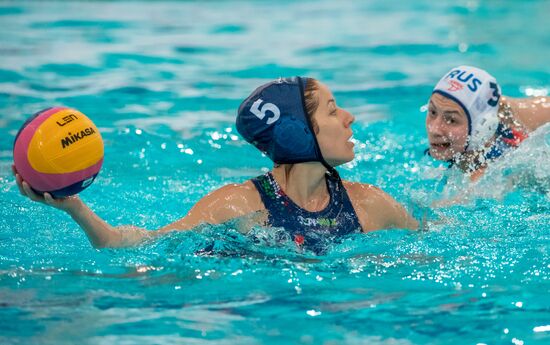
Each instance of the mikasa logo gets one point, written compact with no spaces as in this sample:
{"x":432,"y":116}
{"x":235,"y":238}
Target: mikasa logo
{"x":73,"y":138}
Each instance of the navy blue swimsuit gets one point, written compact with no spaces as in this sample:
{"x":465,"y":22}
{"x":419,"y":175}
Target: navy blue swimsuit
{"x":309,"y":229}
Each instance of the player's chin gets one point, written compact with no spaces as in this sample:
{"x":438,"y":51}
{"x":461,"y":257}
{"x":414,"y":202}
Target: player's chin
{"x":342,"y":160}
{"x":441,"y":155}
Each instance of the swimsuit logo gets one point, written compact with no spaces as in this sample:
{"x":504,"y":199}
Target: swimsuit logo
{"x":299,"y":239}
{"x":455,"y":86}
{"x":317,"y":221}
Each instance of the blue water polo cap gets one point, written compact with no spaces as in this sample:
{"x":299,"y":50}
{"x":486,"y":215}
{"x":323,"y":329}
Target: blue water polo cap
{"x":273,"y":118}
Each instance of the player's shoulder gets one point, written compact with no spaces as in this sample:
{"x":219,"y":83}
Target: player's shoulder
{"x":236,"y":193}
{"x":363,"y":190}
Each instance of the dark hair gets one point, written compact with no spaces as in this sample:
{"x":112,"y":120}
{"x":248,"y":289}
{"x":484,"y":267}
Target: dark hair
{"x":311,"y":100}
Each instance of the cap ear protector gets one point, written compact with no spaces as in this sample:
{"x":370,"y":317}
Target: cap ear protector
{"x":478,"y":93}
{"x":274,"y":119}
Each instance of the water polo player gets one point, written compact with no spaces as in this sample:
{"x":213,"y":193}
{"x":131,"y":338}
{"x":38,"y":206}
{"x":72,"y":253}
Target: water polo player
{"x":297,"y":124}
{"x":470,"y":124}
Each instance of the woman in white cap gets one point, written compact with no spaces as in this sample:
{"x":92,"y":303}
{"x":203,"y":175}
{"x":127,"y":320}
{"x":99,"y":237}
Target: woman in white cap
{"x":469,"y":123}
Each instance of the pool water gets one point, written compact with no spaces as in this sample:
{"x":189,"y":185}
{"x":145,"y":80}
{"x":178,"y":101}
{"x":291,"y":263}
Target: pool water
{"x":163,"y":80}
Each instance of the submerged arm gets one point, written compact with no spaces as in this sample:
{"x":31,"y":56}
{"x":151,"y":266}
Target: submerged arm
{"x":393,"y":214}
{"x":377,"y":210}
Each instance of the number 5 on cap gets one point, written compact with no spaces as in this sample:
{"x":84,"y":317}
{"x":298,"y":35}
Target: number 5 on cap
{"x":260,"y":113}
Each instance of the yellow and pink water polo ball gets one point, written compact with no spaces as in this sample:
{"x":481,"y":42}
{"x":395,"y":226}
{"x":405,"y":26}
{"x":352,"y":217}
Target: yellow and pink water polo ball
{"x":58,"y":150}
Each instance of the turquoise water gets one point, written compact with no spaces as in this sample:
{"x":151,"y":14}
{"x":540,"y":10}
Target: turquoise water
{"x":163,"y":80}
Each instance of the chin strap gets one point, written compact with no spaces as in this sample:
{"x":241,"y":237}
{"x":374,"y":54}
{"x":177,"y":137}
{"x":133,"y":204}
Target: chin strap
{"x":333,"y":172}
{"x":321,"y":159}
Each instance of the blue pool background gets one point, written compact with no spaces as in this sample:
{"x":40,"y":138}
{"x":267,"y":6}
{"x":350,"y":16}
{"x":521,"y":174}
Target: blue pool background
{"x":163,"y":80}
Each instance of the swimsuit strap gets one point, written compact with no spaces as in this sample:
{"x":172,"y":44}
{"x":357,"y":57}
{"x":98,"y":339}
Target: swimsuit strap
{"x":506,"y":139}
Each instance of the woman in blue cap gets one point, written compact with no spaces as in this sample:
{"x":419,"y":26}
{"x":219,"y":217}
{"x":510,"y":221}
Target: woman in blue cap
{"x":296,"y":123}
{"x":469,"y":124}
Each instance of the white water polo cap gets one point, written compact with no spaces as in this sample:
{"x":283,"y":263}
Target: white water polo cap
{"x":478,"y":93}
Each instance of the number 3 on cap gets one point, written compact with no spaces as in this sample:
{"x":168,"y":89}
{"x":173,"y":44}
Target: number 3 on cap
{"x":496,"y":96}
{"x":260,"y":113}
